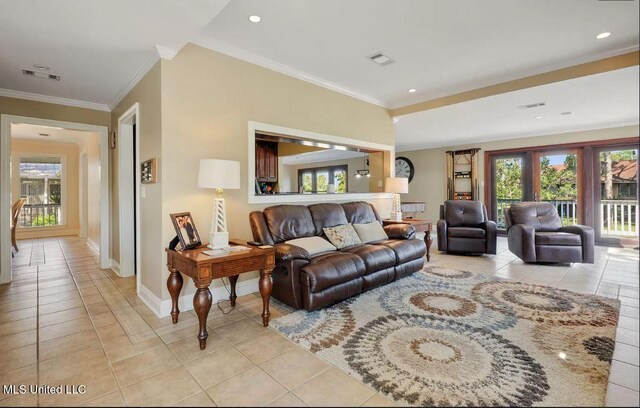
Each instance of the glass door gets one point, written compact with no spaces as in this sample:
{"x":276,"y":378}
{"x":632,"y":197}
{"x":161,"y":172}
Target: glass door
{"x":507,"y":187}
{"x":616,"y":195}
{"x":557,"y":181}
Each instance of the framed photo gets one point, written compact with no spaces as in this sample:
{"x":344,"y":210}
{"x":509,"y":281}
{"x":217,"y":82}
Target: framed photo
{"x":148,"y":171}
{"x":186,"y":230}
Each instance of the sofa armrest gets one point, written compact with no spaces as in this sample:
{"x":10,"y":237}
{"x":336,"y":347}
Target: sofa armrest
{"x":286,"y":252}
{"x":587,"y":238}
{"x":491,"y":229}
{"x":400,"y":231}
{"x":442,"y":235}
{"x":522,"y":242}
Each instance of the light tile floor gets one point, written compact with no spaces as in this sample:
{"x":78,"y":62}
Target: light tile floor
{"x":65,"y":321}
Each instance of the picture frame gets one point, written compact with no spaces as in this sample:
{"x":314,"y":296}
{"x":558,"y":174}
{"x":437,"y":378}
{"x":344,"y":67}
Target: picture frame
{"x":186,"y":230}
{"x":148,"y":171}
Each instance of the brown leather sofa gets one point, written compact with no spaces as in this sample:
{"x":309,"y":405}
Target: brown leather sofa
{"x":464,"y":228}
{"x":535,"y":234}
{"x":314,"y":282}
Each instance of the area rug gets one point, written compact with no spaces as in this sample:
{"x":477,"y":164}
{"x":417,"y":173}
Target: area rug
{"x":444,"y":337}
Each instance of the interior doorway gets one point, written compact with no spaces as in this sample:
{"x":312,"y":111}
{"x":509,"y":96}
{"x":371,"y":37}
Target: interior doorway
{"x":53,"y":189}
{"x":129,"y":193}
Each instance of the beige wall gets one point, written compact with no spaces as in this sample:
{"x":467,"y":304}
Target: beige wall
{"x":148,"y":94}
{"x":429,"y":182}
{"x":208,"y":99}
{"x":70,"y":153}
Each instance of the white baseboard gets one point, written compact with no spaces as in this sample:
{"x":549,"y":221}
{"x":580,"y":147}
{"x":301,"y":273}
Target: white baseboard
{"x":115,"y":266}
{"x":93,"y":246}
{"x":162,"y":308}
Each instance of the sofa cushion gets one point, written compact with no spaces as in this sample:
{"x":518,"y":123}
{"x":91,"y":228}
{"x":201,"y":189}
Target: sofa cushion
{"x":406,"y":249}
{"x":342,"y":236}
{"x":541,"y":216}
{"x":370,"y":232}
{"x":459,"y":213}
{"x":327,"y":215}
{"x":331,"y":269}
{"x":287,"y":222}
{"x":558,"y":238}
{"x":360,"y":212}
{"x":313,"y":245}
{"x":466,"y":232}
{"x":375,"y":257}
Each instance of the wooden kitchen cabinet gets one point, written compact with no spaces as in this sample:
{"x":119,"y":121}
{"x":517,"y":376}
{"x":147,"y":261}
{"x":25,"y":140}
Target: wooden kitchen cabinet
{"x":266,"y":161}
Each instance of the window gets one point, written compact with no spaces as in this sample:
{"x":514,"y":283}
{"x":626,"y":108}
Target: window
{"x":41,"y":185}
{"x":319,"y":179}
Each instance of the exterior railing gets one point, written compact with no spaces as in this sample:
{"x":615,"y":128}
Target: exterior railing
{"x":619,"y":218}
{"x":40,"y":215}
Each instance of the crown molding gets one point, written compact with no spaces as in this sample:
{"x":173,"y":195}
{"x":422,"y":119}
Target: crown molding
{"x":10,"y":93}
{"x":252,"y":58}
{"x":166,"y":52}
{"x":135,"y":78}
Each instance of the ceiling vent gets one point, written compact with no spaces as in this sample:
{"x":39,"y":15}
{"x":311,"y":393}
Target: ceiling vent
{"x":37,"y":74}
{"x":380,"y":59}
{"x":532,"y":105}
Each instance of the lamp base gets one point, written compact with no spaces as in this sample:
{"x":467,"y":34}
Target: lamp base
{"x":218,"y":240}
{"x":396,"y":216}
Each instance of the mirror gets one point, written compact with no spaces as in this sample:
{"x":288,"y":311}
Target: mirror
{"x":287,"y":165}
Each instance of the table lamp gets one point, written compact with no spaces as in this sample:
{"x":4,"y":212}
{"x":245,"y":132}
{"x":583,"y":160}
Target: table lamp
{"x":397,"y":186}
{"x":219,"y":174}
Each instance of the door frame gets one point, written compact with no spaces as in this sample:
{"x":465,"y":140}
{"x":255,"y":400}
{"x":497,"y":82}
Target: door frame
{"x":5,"y":185}
{"x":589,"y":216}
{"x":129,"y":233}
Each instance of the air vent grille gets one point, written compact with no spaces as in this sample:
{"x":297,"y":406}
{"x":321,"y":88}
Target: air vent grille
{"x":381,"y":59}
{"x":30,"y":72}
{"x":532,"y":105}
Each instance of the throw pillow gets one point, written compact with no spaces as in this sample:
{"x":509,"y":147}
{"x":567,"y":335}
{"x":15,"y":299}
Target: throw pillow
{"x":313,"y":245}
{"x":370,"y":232}
{"x":342,"y":236}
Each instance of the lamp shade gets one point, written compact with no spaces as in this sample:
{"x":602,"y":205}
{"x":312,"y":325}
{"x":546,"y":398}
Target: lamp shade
{"x":396,"y":185}
{"x":216,"y":173}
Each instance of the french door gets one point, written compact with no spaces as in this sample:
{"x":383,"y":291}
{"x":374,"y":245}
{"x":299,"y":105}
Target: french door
{"x":553,"y":176}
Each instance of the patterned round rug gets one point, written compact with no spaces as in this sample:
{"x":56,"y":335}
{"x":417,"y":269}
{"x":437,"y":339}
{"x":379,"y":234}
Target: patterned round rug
{"x":443,"y":337}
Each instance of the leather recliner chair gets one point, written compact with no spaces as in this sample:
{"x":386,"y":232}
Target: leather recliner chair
{"x":535,"y":234}
{"x":463,"y":228}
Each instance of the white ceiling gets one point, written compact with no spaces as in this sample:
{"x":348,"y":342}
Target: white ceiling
{"x":597,"y":101}
{"x":440,"y":47}
{"x":24,"y":131}
{"x":97,"y":46}
{"x":321,"y":156}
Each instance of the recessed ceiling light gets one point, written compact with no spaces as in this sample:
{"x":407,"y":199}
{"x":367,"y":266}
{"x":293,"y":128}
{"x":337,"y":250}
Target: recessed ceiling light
{"x":255,"y":19}
{"x":603,"y":35}
{"x":42,"y":67}
{"x":412,"y":90}
{"x":395,"y":120}
{"x":537,"y":117}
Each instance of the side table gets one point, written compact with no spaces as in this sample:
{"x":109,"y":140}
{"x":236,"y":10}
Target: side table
{"x":421,"y":226}
{"x":203,"y":269}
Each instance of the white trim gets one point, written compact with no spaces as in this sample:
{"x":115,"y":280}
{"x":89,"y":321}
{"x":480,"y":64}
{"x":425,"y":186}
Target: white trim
{"x":165,"y":52}
{"x":133,"y":81}
{"x":83,"y":195}
{"x":93,"y":245}
{"x":253,"y":198}
{"x":10,"y":93}
{"x":252,"y":58}
{"x":5,"y":185}
{"x":115,"y":266}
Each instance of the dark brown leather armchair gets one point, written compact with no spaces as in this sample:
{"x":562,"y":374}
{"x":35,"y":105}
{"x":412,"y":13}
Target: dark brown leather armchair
{"x":535,"y":234}
{"x":463,"y":228}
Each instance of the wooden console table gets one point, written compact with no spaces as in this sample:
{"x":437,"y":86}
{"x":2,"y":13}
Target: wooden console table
{"x":421,"y":226}
{"x":204,"y":268}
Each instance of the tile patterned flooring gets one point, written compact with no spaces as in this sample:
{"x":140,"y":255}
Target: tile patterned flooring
{"x":65,"y":321}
